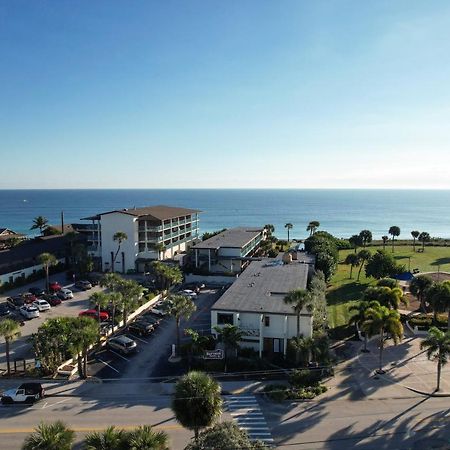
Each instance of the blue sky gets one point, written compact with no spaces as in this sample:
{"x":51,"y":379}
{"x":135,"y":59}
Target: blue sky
{"x":237,"y":93}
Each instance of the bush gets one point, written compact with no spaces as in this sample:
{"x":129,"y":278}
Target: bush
{"x":277,"y":392}
{"x":304,"y":378}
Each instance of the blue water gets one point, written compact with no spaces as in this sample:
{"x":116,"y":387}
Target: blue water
{"x":341,"y":212}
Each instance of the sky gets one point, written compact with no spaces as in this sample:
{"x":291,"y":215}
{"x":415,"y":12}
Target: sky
{"x":218,"y":94}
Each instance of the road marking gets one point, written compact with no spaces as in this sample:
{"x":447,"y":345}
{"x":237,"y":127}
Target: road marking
{"x":46,"y":405}
{"x":106,"y":364}
{"x":118,"y":354}
{"x":140,"y":339}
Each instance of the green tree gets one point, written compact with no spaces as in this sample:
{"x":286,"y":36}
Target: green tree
{"x":198,"y":343}
{"x":50,"y":436}
{"x":438,"y":348}
{"x":359,"y":318}
{"x":355,"y":241}
{"x":419,"y":286}
{"x":363,"y":256}
{"x":270,"y":229}
{"x":197,"y":402}
{"x":301,"y":346}
{"x":84,"y":334}
{"x":312,"y":227}
{"x":288,"y":227}
{"x":415,"y":234}
{"x":366,"y":237}
{"x":131,"y":292}
{"x":394,"y":231}
{"x":382,"y":265}
{"x":231,"y":335}
{"x":145,"y":438}
{"x":424,"y":237}
{"x":351,"y":260}
{"x":100,"y":300}
{"x":379,"y":321}
{"x":386,"y":296}
{"x":119,"y":237}
{"x":299,"y":299}
{"x":180,"y":307}
{"x":47,"y":260}
{"x":160,"y":248}
{"x":40,"y":223}
{"x":317,"y":288}
{"x":109,"y":439}
{"x":166,"y":275}
{"x":384,"y":239}
{"x":438,"y":296}
{"x":9,"y":330}
{"x":389,"y":282}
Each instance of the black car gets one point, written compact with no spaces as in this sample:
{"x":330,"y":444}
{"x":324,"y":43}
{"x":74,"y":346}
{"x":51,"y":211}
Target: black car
{"x":150,"y":318}
{"x":15,"y":302}
{"x":141,"y":328}
{"x":37,"y":291}
{"x":5,"y":310}
{"x":83,"y":285}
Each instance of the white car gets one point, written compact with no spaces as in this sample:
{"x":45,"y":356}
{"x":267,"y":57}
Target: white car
{"x":123,"y":344}
{"x":189,"y":293}
{"x":65,"y":294}
{"x":42,"y":305}
{"x":29,"y":311}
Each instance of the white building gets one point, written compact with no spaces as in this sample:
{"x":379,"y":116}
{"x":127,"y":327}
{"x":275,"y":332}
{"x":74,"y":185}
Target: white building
{"x":255,"y":303}
{"x":229,"y":251}
{"x":153,"y":233}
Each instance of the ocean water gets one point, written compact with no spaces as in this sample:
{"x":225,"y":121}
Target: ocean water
{"x":341,"y":212}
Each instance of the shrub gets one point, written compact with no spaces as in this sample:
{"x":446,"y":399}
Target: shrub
{"x":304,"y":377}
{"x":276,"y":392}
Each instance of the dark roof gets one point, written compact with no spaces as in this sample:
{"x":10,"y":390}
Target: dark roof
{"x":6,"y":233}
{"x":262,"y":286}
{"x":231,"y":238}
{"x":160,"y":212}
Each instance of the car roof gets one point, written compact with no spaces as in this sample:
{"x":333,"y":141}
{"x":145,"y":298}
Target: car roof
{"x":122,"y":338}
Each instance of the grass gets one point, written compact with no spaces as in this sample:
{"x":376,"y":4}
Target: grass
{"x":344,"y":292}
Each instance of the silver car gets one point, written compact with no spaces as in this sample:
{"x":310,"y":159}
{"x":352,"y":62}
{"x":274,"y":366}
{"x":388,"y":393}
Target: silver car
{"x":29,"y":312}
{"x":122,"y":344}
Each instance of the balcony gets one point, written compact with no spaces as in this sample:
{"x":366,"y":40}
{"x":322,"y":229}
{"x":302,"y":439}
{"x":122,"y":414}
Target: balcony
{"x":249,"y":331}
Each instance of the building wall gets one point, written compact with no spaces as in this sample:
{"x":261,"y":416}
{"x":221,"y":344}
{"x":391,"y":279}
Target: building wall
{"x":5,"y":278}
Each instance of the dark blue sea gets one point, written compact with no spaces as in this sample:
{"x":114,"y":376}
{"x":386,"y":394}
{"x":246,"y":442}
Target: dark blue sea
{"x":341,"y":212}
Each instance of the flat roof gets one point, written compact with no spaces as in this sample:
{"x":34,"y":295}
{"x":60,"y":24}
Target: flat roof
{"x":262,"y":286}
{"x":232,"y":238}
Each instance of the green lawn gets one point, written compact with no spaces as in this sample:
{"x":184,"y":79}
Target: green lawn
{"x":345,"y":292}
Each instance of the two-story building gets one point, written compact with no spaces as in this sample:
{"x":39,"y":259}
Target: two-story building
{"x":255,"y":304}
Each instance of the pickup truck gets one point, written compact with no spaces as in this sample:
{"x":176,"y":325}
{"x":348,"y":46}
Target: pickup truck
{"x":25,"y":393}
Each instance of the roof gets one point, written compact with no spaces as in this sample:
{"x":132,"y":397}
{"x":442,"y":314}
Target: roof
{"x":233,"y":238}
{"x":6,"y":233}
{"x":262,"y":286}
{"x":160,"y":212}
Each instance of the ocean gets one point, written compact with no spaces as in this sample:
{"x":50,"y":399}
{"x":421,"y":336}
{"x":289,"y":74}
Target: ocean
{"x":342,"y":212}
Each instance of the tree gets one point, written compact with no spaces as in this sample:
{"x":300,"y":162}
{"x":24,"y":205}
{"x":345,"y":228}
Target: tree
{"x":270,"y":229}
{"x":419,"y":286}
{"x":438,"y":296}
{"x":302,"y":349}
{"x":379,"y":321}
{"x":317,"y":288}
{"x":312,"y":227}
{"x":119,"y":237}
{"x":84,"y":334}
{"x":9,"y":330}
{"x":438,"y":348}
{"x":394,"y":231}
{"x":231,"y":335}
{"x":289,"y":227}
{"x":180,"y":307}
{"x":198,"y":343}
{"x":197,"y":402}
{"x":299,"y":299}
{"x":384,"y":239}
{"x":40,"y":223}
{"x":47,"y":260}
{"x":145,"y":438}
{"x":130,"y":294}
{"x":366,"y":237}
{"x":386,"y":296}
{"x":382,"y":265}
{"x":109,"y":439}
{"x":166,"y":275}
{"x":160,"y":248}
{"x":358,"y":319}
{"x":101,"y":301}
{"x":424,"y":237}
{"x":225,"y":436}
{"x":355,"y":241}
{"x":415,"y":234}
{"x":50,"y":436}
{"x":363,"y":256}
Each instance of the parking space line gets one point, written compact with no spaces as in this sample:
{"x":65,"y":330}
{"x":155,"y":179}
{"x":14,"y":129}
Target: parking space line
{"x":118,"y":354}
{"x":140,"y":339}
{"x":109,"y":365}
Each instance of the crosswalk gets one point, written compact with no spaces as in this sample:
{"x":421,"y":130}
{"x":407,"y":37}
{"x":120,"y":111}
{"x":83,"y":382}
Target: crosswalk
{"x":246,"y":412}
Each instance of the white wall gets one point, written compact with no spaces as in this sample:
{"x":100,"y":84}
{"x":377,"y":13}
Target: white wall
{"x":24,"y":272}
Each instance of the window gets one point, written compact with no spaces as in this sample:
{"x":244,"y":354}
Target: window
{"x":267,"y":321}
{"x":142,"y":247}
{"x":224,"y":319}
{"x":278,"y":345}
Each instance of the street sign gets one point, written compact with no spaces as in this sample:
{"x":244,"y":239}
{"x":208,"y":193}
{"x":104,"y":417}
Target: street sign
{"x":213,"y":354}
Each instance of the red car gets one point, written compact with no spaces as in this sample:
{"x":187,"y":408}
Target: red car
{"x":54,"y":286}
{"x":94,"y":314}
{"x":28,"y":297}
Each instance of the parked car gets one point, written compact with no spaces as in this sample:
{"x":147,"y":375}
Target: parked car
{"x":5,"y":310}
{"x":29,"y":311}
{"x":37,"y":291}
{"x":15,"y":302}
{"x":83,"y":285}
{"x":25,"y":393}
{"x":188,"y":293}
{"x":94,"y":279}
{"x":42,"y":305}
{"x":141,"y":328}
{"x":53,"y":299}
{"x":104,"y":316}
{"x":65,"y":294}
{"x":150,"y":318}
{"x":104,"y":328}
{"x":122,"y":344}
{"x":54,"y":286}
{"x":29,"y":297}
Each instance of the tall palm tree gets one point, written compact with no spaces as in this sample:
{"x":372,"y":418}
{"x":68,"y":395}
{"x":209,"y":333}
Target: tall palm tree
{"x":424,"y":237}
{"x":50,"y":436}
{"x":180,"y":307}
{"x":9,"y":330}
{"x":39,"y":222}
{"x":289,"y":227}
{"x":366,"y":237}
{"x":160,"y":248}
{"x":384,"y":239}
{"x":363,"y":257}
{"x":130,"y":294}
{"x":379,"y":321}
{"x":197,"y":402}
{"x":109,"y":439}
{"x":119,"y":237}
{"x":145,"y":438}
{"x":415,"y":234}
{"x":360,"y":316}
{"x":312,"y":227}
{"x":84,"y":334}
{"x":438,"y":348}
{"x":47,"y":260}
{"x":352,"y":260}
{"x":231,"y":336}
{"x":419,"y":286}
{"x":394,"y":231}
{"x":298,"y":299}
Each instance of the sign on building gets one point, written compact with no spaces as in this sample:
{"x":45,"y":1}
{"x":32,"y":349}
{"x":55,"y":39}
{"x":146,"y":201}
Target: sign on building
{"x":213,"y":354}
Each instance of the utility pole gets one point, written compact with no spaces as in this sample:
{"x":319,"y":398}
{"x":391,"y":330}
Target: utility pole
{"x":62,"y":222}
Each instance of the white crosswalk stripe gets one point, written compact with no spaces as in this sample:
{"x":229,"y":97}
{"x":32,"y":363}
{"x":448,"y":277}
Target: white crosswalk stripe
{"x":246,"y":412}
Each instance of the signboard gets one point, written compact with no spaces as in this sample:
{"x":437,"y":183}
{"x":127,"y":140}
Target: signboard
{"x":213,"y":354}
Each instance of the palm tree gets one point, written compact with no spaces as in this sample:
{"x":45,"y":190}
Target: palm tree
{"x":384,"y":239}
{"x":9,"y":330}
{"x":424,"y":237}
{"x":145,"y":438}
{"x":180,"y":307}
{"x":270,"y":229}
{"x":386,"y":296}
{"x":438,"y":348}
{"x":40,"y":223}
{"x":379,"y":321}
{"x":355,"y":241}
{"x":312,"y":227}
{"x":352,"y":260}
{"x":231,"y":336}
{"x":415,"y":234}
{"x":289,"y":227}
{"x":197,"y":402}
{"x":84,"y":334}
{"x":419,"y":286}
{"x":363,"y":257}
{"x":47,"y":260}
{"x":198,"y":343}
{"x":50,"y":436}
{"x":160,"y":248}
{"x":119,"y":236}
{"x":303,"y":349}
{"x":109,"y":439}
{"x":366,"y":237}
{"x":438,"y":296}
{"x":299,"y":299}
{"x":130,"y":294}
{"x":100,"y":300}
{"x":360,"y":316}
{"x":394,"y":231}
